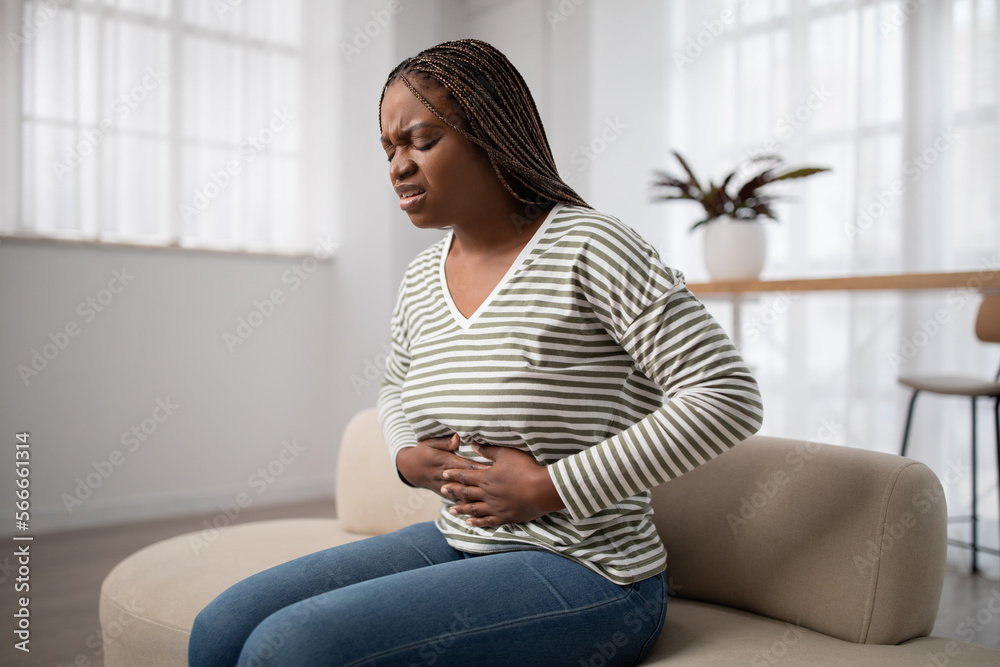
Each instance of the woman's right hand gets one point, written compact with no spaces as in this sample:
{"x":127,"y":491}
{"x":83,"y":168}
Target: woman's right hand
{"x":424,"y":464}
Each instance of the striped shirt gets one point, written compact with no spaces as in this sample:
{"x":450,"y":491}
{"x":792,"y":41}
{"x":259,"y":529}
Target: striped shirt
{"x":590,"y":355}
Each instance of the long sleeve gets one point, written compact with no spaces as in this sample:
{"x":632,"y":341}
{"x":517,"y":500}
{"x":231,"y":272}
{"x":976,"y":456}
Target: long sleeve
{"x":395,"y":428}
{"x":711,"y":402}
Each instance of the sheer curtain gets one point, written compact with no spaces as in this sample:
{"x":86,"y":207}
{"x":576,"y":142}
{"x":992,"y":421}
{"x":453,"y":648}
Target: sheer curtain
{"x":174,"y":122}
{"x":900,"y":100}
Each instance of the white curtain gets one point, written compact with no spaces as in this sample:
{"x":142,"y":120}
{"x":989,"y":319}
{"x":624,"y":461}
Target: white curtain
{"x":899,"y":98}
{"x":175,"y":122}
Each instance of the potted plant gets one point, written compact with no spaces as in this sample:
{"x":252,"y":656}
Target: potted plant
{"x":735,"y":241}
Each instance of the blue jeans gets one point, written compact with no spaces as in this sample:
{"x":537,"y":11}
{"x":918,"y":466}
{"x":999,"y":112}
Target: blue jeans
{"x":407,"y":598}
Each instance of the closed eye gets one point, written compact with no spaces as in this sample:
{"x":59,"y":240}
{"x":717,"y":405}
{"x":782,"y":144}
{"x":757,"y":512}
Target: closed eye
{"x":425,"y":147}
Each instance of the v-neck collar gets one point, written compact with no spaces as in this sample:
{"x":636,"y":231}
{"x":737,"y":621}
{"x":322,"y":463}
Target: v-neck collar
{"x":462,"y":320}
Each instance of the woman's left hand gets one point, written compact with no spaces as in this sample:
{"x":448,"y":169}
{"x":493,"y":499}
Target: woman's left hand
{"x":514,"y":489}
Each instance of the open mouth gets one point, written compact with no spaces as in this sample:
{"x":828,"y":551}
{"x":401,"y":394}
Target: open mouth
{"x":409,"y":196}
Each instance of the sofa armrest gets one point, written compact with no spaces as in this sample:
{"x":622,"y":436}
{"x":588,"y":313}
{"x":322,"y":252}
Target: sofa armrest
{"x":848,"y":542}
{"x":371,"y":499}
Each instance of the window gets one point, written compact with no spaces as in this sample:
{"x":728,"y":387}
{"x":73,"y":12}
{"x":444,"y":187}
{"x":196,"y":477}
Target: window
{"x":900,"y":99}
{"x":166,"y":122}
{"x":974,"y":171}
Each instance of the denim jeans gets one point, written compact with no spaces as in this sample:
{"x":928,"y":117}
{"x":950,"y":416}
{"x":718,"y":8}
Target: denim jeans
{"x":407,"y":598}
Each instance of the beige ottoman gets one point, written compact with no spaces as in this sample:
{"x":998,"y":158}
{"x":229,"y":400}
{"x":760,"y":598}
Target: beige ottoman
{"x":150,"y":600}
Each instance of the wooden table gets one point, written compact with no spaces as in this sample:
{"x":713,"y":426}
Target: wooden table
{"x":985,"y":279}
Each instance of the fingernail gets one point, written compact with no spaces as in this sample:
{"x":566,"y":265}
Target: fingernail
{"x":453,"y":511}
{"x":446,"y":475}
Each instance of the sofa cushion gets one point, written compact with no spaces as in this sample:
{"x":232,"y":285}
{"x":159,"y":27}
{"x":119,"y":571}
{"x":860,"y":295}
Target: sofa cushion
{"x":698,"y":634}
{"x":847,"y":542}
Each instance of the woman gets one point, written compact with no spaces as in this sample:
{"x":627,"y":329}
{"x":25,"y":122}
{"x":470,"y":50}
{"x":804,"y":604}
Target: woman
{"x":546,"y":371}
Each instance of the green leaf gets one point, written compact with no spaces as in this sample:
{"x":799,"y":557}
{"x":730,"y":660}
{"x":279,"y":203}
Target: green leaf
{"x":690,"y":173}
{"x":725,"y":182}
{"x":748,"y":189}
{"x":800,"y":173}
{"x":702,"y":222}
{"x":671,"y":183}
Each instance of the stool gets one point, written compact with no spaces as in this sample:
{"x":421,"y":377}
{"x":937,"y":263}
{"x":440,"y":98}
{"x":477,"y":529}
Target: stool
{"x":987,"y":330}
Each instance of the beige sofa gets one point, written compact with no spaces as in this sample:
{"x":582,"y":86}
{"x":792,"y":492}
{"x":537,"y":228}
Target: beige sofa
{"x":773,"y":557}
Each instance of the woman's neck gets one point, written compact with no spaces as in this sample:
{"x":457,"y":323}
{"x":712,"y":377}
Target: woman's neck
{"x":498,"y":233}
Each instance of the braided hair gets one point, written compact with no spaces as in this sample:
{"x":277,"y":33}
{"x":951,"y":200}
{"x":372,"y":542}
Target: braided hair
{"x":497,"y":112}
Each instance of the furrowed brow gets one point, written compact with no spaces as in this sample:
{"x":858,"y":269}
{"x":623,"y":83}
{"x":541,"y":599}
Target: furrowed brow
{"x":409,"y":130}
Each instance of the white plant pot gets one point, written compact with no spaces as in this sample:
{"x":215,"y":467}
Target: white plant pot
{"x":735,"y":250}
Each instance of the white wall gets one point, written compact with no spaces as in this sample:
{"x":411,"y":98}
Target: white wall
{"x":627,"y":131}
{"x":161,"y":338}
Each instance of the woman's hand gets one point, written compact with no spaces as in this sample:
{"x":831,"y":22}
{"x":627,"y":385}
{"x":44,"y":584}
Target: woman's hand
{"x":425,"y":464}
{"x":514,"y":489}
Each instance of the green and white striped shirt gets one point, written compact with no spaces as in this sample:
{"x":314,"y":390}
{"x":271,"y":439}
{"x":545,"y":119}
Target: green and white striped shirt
{"x":590,"y":355}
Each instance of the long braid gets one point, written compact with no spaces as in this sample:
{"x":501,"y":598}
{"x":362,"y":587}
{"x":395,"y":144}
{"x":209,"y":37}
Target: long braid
{"x":500,"y":113}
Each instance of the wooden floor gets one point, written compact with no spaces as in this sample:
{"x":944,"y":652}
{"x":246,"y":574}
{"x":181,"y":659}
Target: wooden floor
{"x":68,"y":567}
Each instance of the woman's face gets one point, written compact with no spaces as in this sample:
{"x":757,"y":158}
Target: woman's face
{"x":441,"y":177}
